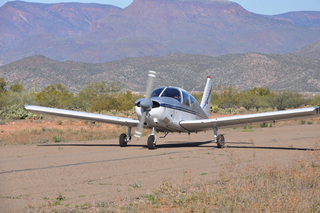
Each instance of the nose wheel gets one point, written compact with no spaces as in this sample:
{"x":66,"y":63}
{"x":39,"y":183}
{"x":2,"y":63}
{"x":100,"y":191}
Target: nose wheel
{"x":151,"y":142}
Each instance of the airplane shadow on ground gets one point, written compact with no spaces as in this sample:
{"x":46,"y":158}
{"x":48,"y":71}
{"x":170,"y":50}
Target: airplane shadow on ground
{"x":177,"y":144}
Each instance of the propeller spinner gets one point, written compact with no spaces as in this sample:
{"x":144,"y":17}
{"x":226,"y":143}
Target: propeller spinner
{"x":146,"y":104}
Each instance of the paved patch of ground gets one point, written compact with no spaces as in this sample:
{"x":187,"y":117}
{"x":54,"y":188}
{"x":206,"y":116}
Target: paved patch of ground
{"x":93,"y":171}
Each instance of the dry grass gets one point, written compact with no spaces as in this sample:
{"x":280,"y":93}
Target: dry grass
{"x":277,"y":188}
{"x":36,"y":135}
{"x":56,"y":130}
{"x":292,"y":188}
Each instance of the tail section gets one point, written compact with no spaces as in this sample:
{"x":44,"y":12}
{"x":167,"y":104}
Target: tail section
{"x":206,"y":98}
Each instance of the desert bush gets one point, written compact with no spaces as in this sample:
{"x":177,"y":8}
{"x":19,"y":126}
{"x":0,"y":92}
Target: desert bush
{"x":14,"y":107}
{"x":3,"y":86}
{"x":225,"y":97}
{"x":16,"y":87}
{"x":214,"y":108}
{"x":302,"y":122}
{"x":285,"y":99}
{"x":250,"y":100}
{"x":56,"y":96}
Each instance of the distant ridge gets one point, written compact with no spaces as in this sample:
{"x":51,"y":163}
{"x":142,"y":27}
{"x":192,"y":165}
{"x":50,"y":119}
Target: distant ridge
{"x":311,"y":51}
{"x":303,"y":18}
{"x":95,"y":33}
{"x":189,"y":71}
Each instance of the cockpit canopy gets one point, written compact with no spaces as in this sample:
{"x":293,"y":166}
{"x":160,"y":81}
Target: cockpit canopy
{"x":180,"y":95}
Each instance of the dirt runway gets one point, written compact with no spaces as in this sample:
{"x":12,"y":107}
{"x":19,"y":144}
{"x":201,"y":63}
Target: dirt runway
{"x":93,"y":171}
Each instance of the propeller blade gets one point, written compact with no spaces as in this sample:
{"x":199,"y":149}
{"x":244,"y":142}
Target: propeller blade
{"x":151,"y":77}
{"x":138,"y":132}
{"x":146,"y":105}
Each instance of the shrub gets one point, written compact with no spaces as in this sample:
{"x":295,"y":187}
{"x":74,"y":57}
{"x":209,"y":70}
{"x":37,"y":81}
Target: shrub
{"x":214,"y":108}
{"x":263,"y":125}
{"x":56,"y":139}
{"x":302,"y":122}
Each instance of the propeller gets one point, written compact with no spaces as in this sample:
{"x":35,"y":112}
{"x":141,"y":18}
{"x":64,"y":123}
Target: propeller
{"x":146,"y":104}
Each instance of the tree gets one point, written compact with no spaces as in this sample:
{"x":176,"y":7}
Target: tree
{"x":285,"y":99}
{"x":16,"y":87}
{"x":260,"y":91}
{"x":3,"y":85}
{"x":225,"y":97}
{"x":97,"y":96}
{"x":55,"y":95}
{"x":250,"y":100}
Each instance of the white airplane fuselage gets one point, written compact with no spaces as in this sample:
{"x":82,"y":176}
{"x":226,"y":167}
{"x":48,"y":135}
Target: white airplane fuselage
{"x":167,"y":112}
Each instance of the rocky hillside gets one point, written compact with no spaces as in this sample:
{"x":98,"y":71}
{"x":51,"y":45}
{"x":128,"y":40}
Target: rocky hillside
{"x":189,"y":71}
{"x":311,"y":50}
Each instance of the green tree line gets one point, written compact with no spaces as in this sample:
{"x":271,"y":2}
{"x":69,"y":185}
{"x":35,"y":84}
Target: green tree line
{"x":95,"y":97}
{"x":102,"y":96}
{"x":259,"y":98}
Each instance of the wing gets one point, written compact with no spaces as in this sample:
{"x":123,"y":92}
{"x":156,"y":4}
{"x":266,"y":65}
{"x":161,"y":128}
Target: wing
{"x":199,"y":125}
{"x":82,"y":115}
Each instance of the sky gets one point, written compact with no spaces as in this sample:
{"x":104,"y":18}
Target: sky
{"x":265,"y":7}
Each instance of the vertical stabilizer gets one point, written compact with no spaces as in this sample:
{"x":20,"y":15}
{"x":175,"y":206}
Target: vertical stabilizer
{"x":206,"y":98}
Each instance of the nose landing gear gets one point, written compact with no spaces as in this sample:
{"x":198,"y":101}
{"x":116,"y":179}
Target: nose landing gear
{"x":152,"y":140}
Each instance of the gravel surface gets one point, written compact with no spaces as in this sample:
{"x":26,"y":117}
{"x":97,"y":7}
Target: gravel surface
{"x":92,"y":171}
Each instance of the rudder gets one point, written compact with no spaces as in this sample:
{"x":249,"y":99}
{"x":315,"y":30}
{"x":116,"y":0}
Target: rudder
{"x":206,"y":98}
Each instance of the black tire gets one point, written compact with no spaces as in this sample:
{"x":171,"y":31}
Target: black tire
{"x":220,"y":141}
{"x":123,"y":140}
{"x":151,"y":142}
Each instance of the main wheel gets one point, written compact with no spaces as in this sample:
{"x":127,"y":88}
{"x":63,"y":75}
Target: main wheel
{"x":151,"y":142}
{"x":123,"y":140}
{"x":220,"y":141}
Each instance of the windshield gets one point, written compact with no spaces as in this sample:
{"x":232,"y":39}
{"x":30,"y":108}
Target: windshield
{"x":156,"y":92}
{"x":172,"y":93}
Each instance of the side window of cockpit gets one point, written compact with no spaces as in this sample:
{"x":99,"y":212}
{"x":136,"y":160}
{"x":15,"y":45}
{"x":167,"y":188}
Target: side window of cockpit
{"x":172,"y":93}
{"x":186,"y":100}
{"x":156,"y":92}
{"x":193,"y":102}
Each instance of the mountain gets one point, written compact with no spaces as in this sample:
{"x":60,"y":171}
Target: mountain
{"x":311,"y":50}
{"x":189,"y":71}
{"x":19,"y":19}
{"x":101,"y":33}
{"x":303,"y":18}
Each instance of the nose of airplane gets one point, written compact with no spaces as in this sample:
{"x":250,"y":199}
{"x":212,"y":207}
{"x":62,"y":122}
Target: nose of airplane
{"x":146,"y":104}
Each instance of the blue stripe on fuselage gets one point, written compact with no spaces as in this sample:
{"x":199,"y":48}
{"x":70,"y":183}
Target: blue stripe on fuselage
{"x":183,"y":109}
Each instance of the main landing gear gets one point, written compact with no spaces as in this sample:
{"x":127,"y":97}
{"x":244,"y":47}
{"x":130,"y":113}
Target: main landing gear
{"x":124,"y":139}
{"x":219,"y":139}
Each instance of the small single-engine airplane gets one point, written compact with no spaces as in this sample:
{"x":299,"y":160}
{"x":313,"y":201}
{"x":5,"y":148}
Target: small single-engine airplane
{"x":172,"y":109}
